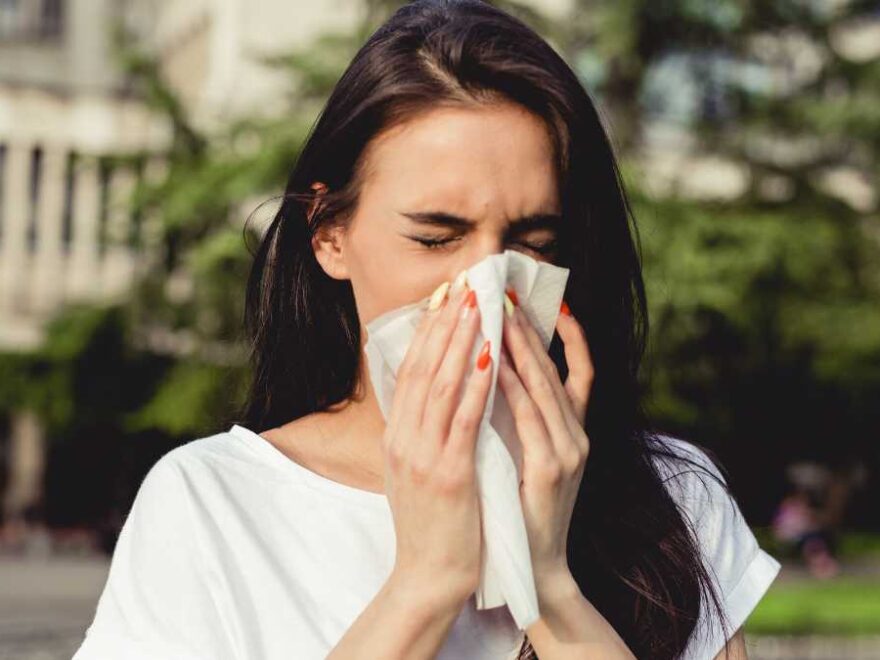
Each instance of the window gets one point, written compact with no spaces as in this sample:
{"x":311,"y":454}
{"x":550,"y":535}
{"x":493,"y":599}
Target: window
{"x":69,"y":192}
{"x":34,"y":200}
{"x":51,"y":19}
{"x":22,"y":20}
{"x":2,"y":184}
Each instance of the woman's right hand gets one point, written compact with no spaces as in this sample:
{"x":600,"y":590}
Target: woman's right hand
{"x":429,"y":446}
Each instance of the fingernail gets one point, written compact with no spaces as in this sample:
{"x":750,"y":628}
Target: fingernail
{"x":438,"y":296}
{"x":508,"y":305}
{"x":459,"y":282}
{"x":470,"y":302}
{"x":513,"y":297}
{"x":565,"y":309}
{"x":483,"y":357}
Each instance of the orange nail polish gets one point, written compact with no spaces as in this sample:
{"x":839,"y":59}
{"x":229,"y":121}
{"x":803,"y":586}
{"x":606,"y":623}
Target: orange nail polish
{"x":564,"y":308}
{"x":471,"y":298}
{"x":512,"y":294}
{"x":483,"y":357}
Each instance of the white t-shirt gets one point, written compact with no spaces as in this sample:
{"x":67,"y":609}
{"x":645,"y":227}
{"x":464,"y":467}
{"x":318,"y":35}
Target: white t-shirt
{"x":232,"y":551}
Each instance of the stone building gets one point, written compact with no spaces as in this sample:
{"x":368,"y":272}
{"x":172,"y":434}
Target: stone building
{"x":65,"y":234}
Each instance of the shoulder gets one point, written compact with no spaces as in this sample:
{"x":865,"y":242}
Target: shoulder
{"x":198,"y":451}
{"x":174,"y":489}
{"x":672,"y":454}
{"x":699,"y":487}
{"x":223,"y":455}
{"x":160,"y":502}
{"x":158,"y":599}
{"x":741,"y":569}
{"x":691,"y":475}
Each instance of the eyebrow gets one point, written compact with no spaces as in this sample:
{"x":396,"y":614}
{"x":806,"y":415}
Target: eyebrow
{"x":523,"y":223}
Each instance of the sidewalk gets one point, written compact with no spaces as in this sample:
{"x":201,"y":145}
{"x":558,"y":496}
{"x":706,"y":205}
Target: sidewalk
{"x":47,"y":603}
{"x":813,"y":647}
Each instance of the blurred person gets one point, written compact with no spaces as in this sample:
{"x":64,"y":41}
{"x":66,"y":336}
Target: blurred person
{"x":796,"y":524}
{"x":808,"y":517}
{"x":314,"y":527}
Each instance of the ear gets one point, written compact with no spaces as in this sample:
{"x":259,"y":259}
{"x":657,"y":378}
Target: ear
{"x":328,"y":244}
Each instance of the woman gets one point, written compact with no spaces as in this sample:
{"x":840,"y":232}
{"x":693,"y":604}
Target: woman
{"x":314,"y":528}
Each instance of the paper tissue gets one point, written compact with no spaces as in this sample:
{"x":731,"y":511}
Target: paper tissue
{"x":507,"y":569}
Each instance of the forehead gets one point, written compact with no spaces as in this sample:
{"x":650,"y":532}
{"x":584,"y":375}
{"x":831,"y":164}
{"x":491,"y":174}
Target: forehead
{"x":474,"y":160}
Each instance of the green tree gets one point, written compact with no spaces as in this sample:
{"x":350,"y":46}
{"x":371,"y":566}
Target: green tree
{"x":766,"y":329}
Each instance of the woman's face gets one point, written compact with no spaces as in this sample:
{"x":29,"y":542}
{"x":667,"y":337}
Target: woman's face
{"x":442,"y":192}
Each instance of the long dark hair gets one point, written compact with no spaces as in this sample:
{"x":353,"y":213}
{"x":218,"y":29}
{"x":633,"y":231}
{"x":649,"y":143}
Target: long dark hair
{"x":631,"y":550}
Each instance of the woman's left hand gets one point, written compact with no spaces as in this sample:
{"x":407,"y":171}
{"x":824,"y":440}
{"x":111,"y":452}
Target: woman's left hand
{"x":549,"y":417}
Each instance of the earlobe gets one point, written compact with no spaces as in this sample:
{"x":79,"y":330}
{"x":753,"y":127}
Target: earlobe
{"x":330,"y":251}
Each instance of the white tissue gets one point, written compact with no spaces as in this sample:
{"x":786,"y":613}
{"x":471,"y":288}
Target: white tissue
{"x":506,"y":576}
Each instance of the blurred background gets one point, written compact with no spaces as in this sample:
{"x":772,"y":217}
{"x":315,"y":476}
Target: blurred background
{"x":138,"y":136}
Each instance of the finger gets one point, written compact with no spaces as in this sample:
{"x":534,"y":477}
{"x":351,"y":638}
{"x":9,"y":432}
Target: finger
{"x":581,"y":372}
{"x":418,"y":339}
{"x":427,"y":362}
{"x":413,"y":351}
{"x":571,"y":445}
{"x":536,"y":382}
{"x":529,"y":422}
{"x":444,"y":394}
{"x":547,"y":365}
{"x":465,"y":426}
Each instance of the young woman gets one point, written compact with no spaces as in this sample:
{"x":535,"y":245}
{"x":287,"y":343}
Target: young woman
{"x":314,"y":528}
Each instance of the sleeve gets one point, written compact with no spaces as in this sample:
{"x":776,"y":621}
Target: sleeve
{"x":741,"y":569}
{"x":157,"y":602}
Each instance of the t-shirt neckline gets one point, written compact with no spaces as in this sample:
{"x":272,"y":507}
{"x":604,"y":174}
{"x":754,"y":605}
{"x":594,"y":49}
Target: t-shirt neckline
{"x":313,"y":479}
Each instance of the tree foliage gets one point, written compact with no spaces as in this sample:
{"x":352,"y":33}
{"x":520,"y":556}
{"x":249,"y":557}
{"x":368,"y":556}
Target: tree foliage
{"x":765,"y":328}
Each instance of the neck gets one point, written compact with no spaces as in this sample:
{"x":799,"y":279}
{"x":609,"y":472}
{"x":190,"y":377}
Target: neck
{"x":359,"y":415}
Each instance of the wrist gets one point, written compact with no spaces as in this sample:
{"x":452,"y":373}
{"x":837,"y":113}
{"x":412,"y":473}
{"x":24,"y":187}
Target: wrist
{"x":432,"y":594}
{"x":556,"y":588}
{"x":569,"y":625}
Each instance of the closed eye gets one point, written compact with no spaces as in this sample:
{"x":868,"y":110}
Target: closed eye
{"x":543,"y":247}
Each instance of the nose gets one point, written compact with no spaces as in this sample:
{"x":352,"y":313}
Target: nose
{"x":479,"y":250}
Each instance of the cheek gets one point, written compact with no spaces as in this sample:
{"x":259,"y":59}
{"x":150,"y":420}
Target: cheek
{"x":386,"y":284}
{"x":387,"y":273}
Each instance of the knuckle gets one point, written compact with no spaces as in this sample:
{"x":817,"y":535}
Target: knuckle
{"x":589,"y":370}
{"x":531,"y":373}
{"x":450,"y":484}
{"x":571,"y":460}
{"x":551,"y":471}
{"x":465,"y":423}
{"x":418,"y":366}
{"x":419,"y":373}
{"x":442,"y":389}
{"x":584,"y":443}
{"x":419,"y":471}
{"x":527,"y":411}
{"x":395,"y":457}
{"x":541,"y":383}
{"x":583,"y":452}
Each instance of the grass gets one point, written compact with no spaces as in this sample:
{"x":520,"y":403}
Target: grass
{"x":859,"y":545}
{"x":846,"y":605}
{"x":842,"y":606}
